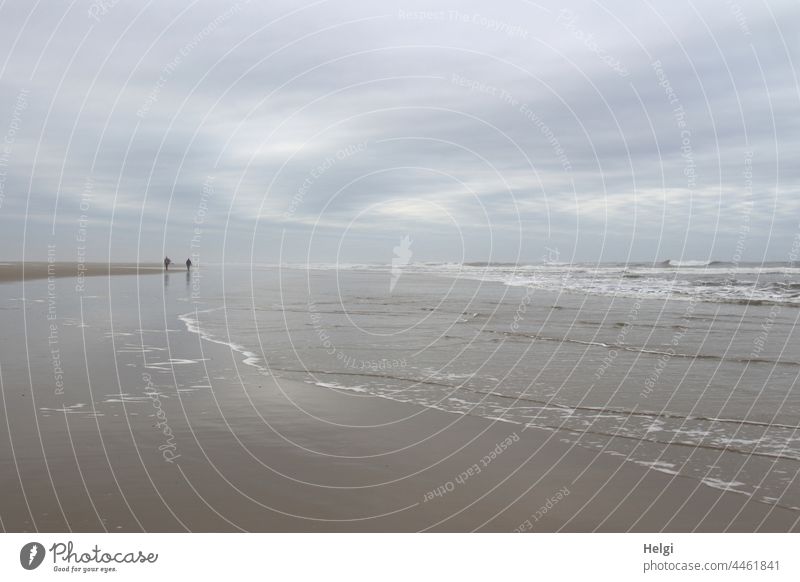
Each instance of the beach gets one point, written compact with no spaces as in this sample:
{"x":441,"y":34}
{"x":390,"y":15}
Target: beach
{"x":323,"y":399}
{"x":26,"y":271}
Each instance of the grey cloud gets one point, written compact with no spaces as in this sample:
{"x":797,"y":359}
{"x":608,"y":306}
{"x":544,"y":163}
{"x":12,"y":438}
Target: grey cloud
{"x":492,"y":116}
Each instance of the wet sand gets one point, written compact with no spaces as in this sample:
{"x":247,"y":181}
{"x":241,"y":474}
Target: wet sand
{"x":19,"y":271}
{"x":303,"y":475}
{"x":145,"y":436}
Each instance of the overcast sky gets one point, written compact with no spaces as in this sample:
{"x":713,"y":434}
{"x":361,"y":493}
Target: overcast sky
{"x":324,"y":131}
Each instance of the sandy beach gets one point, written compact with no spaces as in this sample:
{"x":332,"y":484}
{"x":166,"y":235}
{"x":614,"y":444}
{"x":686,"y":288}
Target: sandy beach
{"x":125,"y":418}
{"x":19,"y":271}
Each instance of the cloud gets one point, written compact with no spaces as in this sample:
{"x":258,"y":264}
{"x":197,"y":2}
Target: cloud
{"x":626,"y":129}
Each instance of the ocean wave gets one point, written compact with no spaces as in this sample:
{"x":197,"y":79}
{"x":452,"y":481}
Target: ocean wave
{"x":694,"y":264}
{"x":708,"y":281}
{"x":685,"y":263}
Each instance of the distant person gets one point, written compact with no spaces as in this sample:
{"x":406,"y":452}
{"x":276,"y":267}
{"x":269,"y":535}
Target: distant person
{"x":188,"y":264}
{"x":167,"y":262}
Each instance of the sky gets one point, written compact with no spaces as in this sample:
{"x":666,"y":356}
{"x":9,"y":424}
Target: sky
{"x":328,"y":131}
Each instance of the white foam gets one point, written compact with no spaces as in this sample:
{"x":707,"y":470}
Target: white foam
{"x":66,"y":409}
{"x":337,"y":386}
{"x":673,"y":263}
{"x":193,"y":326}
{"x":167,"y":365}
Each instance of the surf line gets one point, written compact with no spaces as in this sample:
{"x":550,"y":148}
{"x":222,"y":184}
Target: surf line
{"x":192,"y":322}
